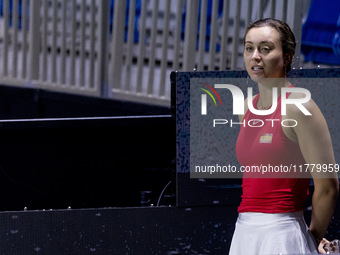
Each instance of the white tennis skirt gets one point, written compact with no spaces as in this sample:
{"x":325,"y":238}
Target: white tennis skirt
{"x":272,"y":233}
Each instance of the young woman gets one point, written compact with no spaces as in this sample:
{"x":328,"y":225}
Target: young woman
{"x":271,"y":211}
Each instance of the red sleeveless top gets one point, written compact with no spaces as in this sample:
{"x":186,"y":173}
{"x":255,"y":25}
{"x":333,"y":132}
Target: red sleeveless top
{"x":268,"y":146}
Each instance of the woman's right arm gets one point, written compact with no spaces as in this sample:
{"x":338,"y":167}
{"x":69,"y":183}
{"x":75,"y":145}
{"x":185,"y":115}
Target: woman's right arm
{"x":313,"y":136}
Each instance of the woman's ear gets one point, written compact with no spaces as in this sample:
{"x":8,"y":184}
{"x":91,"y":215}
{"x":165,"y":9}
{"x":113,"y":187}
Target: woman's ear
{"x":287,"y":59}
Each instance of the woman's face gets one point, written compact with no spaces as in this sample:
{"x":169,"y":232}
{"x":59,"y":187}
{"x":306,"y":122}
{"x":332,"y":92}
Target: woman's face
{"x":263,"y":54}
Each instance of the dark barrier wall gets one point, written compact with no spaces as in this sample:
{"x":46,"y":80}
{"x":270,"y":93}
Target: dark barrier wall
{"x":89,"y":162}
{"x":84,"y":163}
{"x":132,"y":231}
{"x":28,"y":103}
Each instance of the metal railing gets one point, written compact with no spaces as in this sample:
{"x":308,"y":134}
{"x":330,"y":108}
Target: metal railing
{"x":126,"y":49}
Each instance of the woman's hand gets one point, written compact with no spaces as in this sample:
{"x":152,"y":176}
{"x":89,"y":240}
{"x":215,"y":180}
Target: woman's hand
{"x":322,"y":244}
{"x":327,"y":247}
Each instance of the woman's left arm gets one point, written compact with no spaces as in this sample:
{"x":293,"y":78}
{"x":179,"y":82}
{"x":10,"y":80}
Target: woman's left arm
{"x":314,"y":139}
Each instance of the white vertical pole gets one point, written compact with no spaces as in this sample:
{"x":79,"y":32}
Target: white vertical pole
{"x":190,"y":36}
{"x":236,"y":35}
{"x":295,"y":22}
{"x":24,"y":38}
{"x":202,"y":35}
{"x":141,"y":49}
{"x":213,"y":32}
{"x":260,"y":9}
{"x":249,"y":13}
{"x":82,"y":73}
{"x":5,"y":29}
{"x":34,"y":39}
{"x":152,"y":47}
{"x":92,"y":48}
{"x":62,"y":71}
{"x":284,"y":10}
{"x":272,"y":8}
{"x":73,"y":44}
{"x":164,"y":49}
{"x":44,"y":37}
{"x":54,"y":41}
{"x":225,"y":31}
{"x":178,"y":30}
{"x":15,"y":25}
{"x":130,"y":41}
{"x":117,"y":43}
{"x":103,"y":49}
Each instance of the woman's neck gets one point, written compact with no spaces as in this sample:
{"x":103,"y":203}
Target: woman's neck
{"x":266,"y":92}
